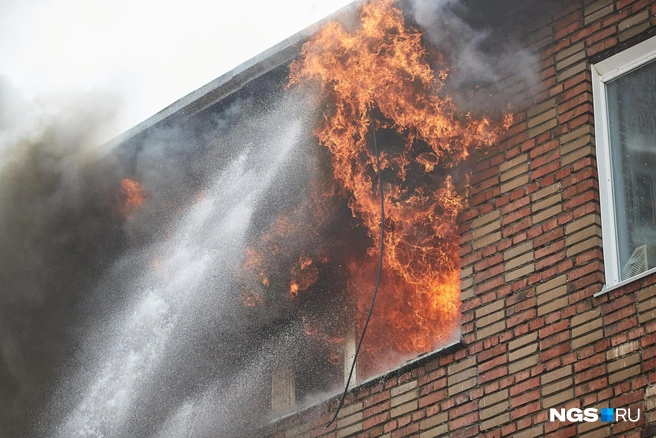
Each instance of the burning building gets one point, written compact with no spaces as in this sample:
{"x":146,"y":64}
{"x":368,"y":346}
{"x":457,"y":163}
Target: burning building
{"x":551,"y":310}
{"x":494,"y":163}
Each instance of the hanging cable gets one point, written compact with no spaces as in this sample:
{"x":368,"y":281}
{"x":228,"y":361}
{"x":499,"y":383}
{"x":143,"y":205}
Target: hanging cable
{"x":380,"y":267}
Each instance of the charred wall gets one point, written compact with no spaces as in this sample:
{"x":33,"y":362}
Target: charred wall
{"x":533,"y":334}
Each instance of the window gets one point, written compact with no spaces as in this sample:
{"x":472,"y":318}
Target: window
{"x":624,"y":89}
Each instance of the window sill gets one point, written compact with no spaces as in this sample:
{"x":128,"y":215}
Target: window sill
{"x":607,"y":288}
{"x":372,"y":381}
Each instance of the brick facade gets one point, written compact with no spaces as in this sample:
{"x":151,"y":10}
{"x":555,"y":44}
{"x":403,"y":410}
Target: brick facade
{"x":534,"y":337}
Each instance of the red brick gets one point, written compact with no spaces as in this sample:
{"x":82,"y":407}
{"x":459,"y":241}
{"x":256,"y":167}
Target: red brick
{"x":555,"y":351}
{"x":516,"y":215}
{"x":489,"y":353}
{"x":376,"y":420}
{"x":568,"y":30}
{"x":525,"y":410}
{"x":463,"y":409}
{"x":544,"y":170}
{"x":377,"y":409}
{"x":585,"y":108}
{"x":586,"y":32}
{"x":549,"y":249}
{"x":545,"y":238}
{"x":620,"y":4}
{"x":599,"y":47}
{"x":492,"y":375}
{"x":463,"y":421}
{"x":525,"y":398}
{"x":524,"y":386}
{"x":486,"y":366}
{"x":575,"y":80}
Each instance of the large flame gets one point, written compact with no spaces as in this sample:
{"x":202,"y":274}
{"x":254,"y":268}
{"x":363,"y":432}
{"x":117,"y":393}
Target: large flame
{"x":382,"y":67}
{"x":383,"y":64}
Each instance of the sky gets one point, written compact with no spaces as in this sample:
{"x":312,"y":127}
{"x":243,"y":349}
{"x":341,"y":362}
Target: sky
{"x":149,"y":53}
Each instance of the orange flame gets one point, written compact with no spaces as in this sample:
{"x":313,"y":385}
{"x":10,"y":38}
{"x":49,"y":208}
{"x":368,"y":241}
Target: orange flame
{"x":133,"y":196}
{"x":254,"y":265}
{"x":383,"y":62}
{"x":263,"y":256}
{"x":303,"y":275}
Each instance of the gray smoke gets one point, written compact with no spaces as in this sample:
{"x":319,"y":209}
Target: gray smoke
{"x":115,"y":325}
{"x":57,"y":234}
{"x":483,"y":61}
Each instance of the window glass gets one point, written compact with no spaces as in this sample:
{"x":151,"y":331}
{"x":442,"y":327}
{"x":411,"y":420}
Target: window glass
{"x":632,"y":130}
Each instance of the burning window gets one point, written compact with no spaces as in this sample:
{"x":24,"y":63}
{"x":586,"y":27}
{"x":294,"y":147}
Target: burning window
{"x":377,"y":72}
{"x":221,"y":258}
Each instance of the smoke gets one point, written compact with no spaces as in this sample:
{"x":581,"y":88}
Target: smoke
{"x":56,"y":233}
{"x":482,"y":61}
{"x":71,"y":263}
{"x":229,"y":399}
{"x":72,"y":267}
{"x":103,"y":314}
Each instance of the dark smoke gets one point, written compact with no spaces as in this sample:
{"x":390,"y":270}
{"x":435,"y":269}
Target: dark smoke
{"x":58,"y":233}
{"x":71,"y":264}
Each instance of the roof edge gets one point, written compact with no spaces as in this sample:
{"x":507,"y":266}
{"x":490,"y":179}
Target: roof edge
{"x":232,"y":80}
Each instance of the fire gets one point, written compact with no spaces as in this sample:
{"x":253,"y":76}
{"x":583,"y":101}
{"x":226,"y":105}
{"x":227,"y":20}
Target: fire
{"x":269,"y":250}
{"x":254,"y":265}
{"x":265,"y":253}
{"x":423,"y":137}
{"x":303,"y":275}
{"x":384,"y":63}
{"x":133,"y":196}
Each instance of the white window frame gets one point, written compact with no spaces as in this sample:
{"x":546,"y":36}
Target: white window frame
{"x":602,"y":73}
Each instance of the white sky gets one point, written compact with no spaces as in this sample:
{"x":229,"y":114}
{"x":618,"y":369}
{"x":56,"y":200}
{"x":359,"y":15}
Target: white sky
{"x":150,"y":52}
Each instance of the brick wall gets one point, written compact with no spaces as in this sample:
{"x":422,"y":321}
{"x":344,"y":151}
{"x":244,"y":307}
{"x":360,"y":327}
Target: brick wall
{"x":534,"y":337}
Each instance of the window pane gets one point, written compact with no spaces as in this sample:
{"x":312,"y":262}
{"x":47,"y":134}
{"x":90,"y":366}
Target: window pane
{"x":632,"y":126}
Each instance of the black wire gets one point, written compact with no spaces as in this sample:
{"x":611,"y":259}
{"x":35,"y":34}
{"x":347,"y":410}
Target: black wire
{"x":380,"y":267}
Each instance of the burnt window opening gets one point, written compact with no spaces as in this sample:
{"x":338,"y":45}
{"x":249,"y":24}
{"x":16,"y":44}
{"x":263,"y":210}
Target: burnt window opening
{"x":313,"y":254}
{"x":323,"y":309}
